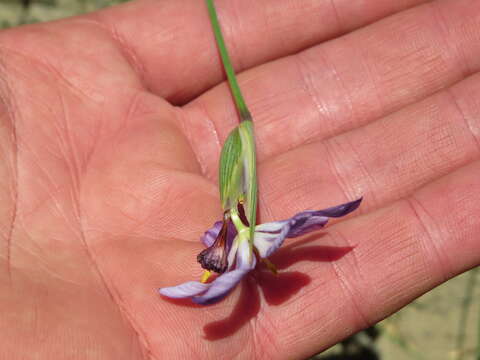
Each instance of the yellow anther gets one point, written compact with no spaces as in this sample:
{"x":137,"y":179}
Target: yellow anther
{"x":271,"y":266}
{"x":205,"y":276}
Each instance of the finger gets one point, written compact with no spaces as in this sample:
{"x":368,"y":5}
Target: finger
{"x":347,"y":82}
{"x":383,"y":161}
{"x":400,"y":253}
{"x":174,"y":50}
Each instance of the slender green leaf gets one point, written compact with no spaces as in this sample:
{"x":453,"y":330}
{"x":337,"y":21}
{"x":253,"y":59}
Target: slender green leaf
{"x":230,"y":171}
{"x":250,"y":174}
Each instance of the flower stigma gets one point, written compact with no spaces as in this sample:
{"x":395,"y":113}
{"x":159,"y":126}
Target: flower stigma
{"x":214,"y":258}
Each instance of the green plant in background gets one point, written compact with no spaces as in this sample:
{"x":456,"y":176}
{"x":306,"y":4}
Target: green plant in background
{"x":361,"y":346}
{"x":464,"y":315}
{"x":5,"y":24}
{"x":478,"y":337}
{"x":19,"y":12}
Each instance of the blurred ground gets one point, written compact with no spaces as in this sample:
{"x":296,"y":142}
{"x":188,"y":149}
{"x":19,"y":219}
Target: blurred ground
{"x":16,"y":12}
{"x":441,"y":325}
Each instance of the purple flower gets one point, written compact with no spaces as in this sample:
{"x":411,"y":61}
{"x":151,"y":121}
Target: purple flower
{"x":230,"y":255}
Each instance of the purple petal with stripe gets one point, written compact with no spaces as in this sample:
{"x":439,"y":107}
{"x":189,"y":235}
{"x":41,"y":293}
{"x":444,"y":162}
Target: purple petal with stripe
{"x":185,"y":290}
{"x":311,"y":220}
{"x":270,"y":236}
{"x":222,"y":285}
{"x":209,"y":237}
{"x":340,"y":210}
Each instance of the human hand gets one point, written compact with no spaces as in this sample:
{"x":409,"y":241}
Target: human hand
{"x":110,"y":144}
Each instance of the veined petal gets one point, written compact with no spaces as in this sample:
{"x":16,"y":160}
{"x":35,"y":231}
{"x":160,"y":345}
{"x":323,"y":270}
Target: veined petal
{"x":209,"y":237}
{"x":340,"y":210}
{"x":245,"y":257}
{"x":222,"y":285}
{"x":185,"y":290}
{"x":311,"y":220}
{"x":270,"y":236}
{"x":305,"y":222}
{"x":232,"y":253}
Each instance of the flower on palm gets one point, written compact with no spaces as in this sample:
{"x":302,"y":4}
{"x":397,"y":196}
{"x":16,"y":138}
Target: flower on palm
{"x":235,"y":243}
{"x":229,"y":254}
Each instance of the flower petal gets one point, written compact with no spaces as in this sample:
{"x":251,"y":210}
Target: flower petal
{"x":305,"y":222}
{"x":222,"y":285}
{"x":245,"y":257}
{"x":308,"y":221}
{"x":270,"y":236}
{"x":209,"y":237}
{"x":232,"y":253}
{"x":185,"y":290}
{"x":266,"y":242}
{"x":340,"y":210}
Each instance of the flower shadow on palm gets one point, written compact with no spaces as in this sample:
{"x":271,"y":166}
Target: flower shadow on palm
{"x":236,"y":261}
{"x":276,"y":289}
{"x":236,"y":245}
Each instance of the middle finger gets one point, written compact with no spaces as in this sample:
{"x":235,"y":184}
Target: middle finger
{"x":345,"y":83}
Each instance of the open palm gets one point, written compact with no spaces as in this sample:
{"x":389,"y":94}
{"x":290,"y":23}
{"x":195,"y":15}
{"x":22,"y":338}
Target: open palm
{"x":111,"y":128}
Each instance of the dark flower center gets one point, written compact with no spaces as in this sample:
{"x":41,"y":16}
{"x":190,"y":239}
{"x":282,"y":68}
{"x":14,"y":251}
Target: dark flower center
{"x":215,"y":258}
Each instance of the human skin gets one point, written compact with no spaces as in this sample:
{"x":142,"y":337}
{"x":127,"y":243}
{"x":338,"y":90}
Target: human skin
{"x":111,"y":126}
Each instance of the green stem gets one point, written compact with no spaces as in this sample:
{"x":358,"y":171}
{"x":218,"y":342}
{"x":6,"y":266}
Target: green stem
{"x":232,"y":80}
